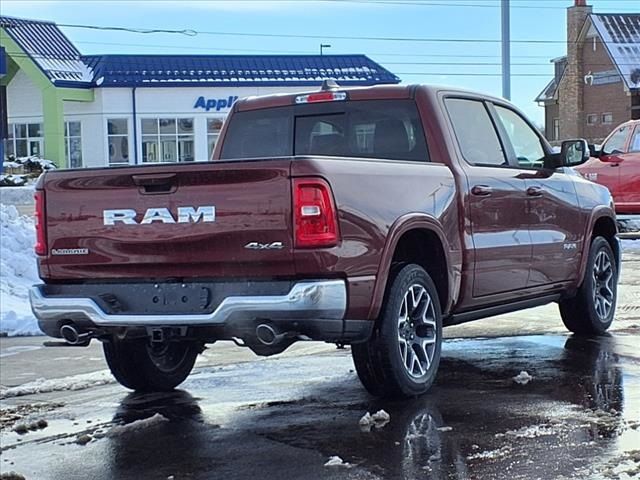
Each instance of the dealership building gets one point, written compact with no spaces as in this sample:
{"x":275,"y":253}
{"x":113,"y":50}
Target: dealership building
{"x":110,"y":110}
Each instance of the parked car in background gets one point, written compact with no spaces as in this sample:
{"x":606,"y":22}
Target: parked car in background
{"x":616,"y":165}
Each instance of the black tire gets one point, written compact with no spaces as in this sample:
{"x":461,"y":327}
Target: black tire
{"x":585,"y":313}
{"x":380,"y":362}
{"x":143,"y":367}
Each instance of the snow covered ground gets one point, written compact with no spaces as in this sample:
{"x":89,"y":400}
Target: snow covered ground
{"x":17,"y":195}
{"x":18,"y":270}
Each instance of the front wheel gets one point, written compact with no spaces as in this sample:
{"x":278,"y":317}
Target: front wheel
{"x":403,"y":354}
{"x":592,"y":309}
{"x":145,"y":366}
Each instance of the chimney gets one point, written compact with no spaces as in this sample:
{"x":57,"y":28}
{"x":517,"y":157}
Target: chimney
{"x":571,"y":105}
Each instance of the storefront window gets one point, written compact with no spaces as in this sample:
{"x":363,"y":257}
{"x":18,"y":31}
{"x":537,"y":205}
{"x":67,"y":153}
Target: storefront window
{"x":214,"y":125}
{"x":118,"y":139}
{"x":167,"y":140}
{"x":24,"y":140}
{"x":73,"y":144}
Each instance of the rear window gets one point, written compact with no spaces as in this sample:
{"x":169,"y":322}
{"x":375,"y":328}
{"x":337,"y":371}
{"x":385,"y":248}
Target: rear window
{"x":389,"y":129}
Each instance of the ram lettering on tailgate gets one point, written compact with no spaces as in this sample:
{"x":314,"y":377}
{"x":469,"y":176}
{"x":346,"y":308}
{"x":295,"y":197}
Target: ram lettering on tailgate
{"x":127,"y":216}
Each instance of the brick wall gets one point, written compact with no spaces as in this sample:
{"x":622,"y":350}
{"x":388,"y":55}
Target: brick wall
{"x":571,"y":86}
{"x":598,"y":99}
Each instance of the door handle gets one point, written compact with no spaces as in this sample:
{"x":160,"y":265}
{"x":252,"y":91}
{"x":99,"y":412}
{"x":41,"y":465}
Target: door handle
{"x":482,"y":190}
{"x":534,"y":191}
{"x":155,"y":184}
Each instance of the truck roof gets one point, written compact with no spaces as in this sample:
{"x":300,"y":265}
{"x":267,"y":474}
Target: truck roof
{"x":378,"y":92}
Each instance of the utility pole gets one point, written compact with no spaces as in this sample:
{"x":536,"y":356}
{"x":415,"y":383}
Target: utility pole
{"x":506,"y":51}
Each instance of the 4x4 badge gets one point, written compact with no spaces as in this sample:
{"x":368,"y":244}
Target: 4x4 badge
{"x":264,"y":246}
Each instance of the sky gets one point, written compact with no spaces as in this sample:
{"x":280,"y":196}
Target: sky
{"x":459,"y":38}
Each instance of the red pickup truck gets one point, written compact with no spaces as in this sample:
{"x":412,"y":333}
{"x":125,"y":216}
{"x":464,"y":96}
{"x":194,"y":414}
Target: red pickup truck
{"x":371,"y":217}
{"x":617,"y":166}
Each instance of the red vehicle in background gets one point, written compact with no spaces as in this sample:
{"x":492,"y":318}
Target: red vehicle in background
{"x":617,"y":166}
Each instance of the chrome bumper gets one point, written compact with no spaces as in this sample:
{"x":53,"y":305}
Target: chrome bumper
{"x":316,"y":300}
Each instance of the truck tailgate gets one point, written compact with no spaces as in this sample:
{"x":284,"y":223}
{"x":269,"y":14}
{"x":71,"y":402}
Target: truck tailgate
{"x":211,"y":220}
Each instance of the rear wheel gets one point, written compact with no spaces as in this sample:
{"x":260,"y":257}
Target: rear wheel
{"x":403,"y":354}
{"x":592,"y":309}
{"x":145,"y":366}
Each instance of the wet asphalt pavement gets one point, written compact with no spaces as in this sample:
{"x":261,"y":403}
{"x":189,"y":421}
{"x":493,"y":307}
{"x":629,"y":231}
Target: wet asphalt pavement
{"x":283,"y":418}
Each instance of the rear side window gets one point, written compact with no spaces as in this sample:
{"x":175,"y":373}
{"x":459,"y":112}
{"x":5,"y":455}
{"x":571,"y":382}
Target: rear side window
{"x":388,"y":129}
{"x":259,"y":133}
{"x":475,"y":132}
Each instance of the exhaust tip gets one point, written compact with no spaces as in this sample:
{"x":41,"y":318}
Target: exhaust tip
{"x":72,"y":336}
{"x":266,"y":334}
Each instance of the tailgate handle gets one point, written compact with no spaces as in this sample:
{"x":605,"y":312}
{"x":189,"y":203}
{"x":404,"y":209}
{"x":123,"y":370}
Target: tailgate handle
{"x":154,"y":184}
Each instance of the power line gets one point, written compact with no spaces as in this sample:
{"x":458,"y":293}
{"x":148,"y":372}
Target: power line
{"x":276,"y":50}
{"x":310,"y":36}
{"x":472,"y":64}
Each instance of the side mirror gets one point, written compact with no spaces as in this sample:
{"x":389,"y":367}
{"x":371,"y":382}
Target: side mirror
{"x":595,"y":150}
{"x":574,"y":152}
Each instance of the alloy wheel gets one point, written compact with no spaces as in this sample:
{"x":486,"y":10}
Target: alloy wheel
{"x":603,"y":295}
{"x":417,"y":331}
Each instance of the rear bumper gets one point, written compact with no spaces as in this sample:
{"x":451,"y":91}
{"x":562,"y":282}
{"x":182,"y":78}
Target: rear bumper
{"x":309,"y":303}
{"x":306,"y":300}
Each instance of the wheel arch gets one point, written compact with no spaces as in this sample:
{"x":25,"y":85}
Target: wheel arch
{"x":401,"y":247}
{"x":601,"y":224}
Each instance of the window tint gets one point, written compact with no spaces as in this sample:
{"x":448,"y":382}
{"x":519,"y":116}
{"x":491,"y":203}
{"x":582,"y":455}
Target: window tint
{"x":635,"y":141}
{"x":259,"y":133}
{"x":475,"y":132}
{"x":615,"y":144}
{"x":376,"y":129}
{"x":388,"y":129}
{"x":523,"y":138}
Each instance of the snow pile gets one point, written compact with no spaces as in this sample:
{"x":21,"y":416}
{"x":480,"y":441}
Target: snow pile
{"x":30,"y":164}
{"x":17,"y":195}
{"x":378,"y":420}
{"x":336,"y":461}
{"x":72,"y":383}
{"x":18,"y":272}
{"x":136,"y":426}
{"x":522,"y":378}
{"x":631,"y":246}
{"x":13,"y":180}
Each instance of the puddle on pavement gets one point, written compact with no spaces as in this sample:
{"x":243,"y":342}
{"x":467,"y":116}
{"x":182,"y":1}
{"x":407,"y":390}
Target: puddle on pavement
{"x":579,"y":417}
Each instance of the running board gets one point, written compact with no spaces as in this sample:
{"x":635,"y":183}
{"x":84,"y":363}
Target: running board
{"x":464,"y":317}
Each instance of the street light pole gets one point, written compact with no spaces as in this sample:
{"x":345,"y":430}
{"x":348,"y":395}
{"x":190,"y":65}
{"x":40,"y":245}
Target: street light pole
{"x":323,"y":46}
{"x":506,"y":51}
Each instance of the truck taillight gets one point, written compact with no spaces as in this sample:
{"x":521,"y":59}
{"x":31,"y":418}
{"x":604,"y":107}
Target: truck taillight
{"x":322,"y":97}
{"x":315,"y":217}
{"x":41,"y":237}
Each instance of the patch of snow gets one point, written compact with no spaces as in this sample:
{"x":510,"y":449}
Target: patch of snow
{"x":444,"y":429}
{"x":18,"y":272}
{"x":136,"y":426}
{"x":381,"y":417}
{"x":533,"y":431}
{"x":13,"y":180}
{"x":491,"y":454}
{"x":336,"y":461}
{"x":631,"y":245}
{"x":17,"y":195}
{"x":378,"y":420}
{"x":72,"y":383}
{"x":522,"y":378}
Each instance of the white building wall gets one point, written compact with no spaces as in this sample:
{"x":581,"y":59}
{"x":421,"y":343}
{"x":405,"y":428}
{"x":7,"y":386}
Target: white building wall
{"x":25,"y":105}
{"x":24,"y":100}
